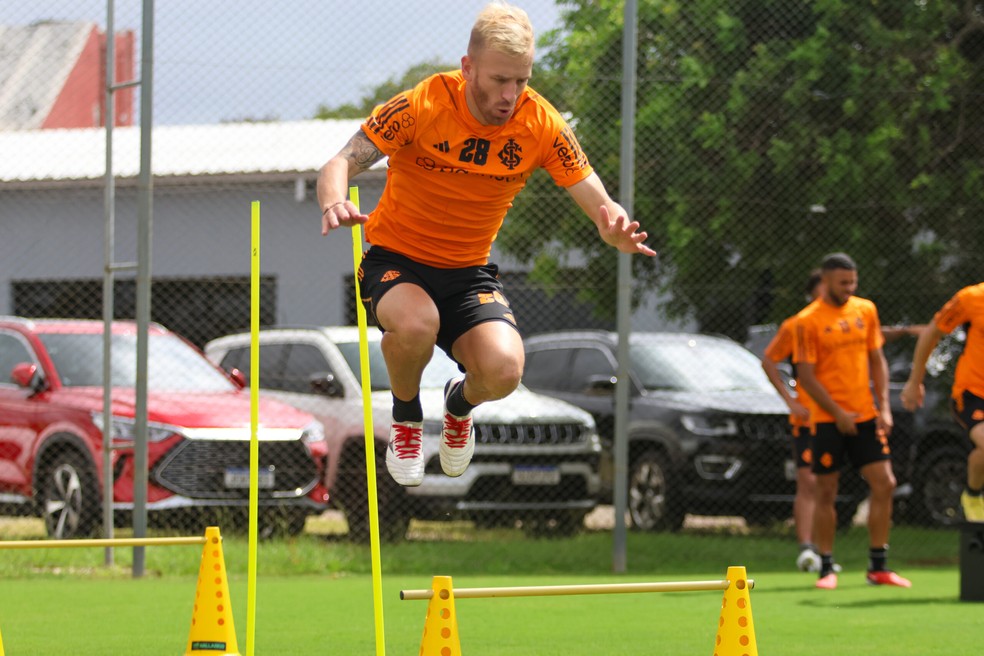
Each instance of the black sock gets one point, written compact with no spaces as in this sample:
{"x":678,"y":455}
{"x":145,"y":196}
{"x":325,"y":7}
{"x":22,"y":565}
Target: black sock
{"x":971,"y":491}
{"x":877,"y":556}
{"x":457,"y":404}
{"x":826,"y":564}
{"x":407,"y":410}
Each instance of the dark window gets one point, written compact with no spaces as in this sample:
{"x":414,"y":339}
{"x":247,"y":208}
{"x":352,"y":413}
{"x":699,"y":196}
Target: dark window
{"x":272,"y":359}
{"x":12,"y":352}
{"x":303,"y":362}
{"x":547,"y":370}
{"x":589,"y":364}
{"x":237,"y":358}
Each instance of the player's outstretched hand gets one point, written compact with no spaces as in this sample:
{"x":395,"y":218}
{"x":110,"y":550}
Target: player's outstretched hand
{"x":623,"y":234}
{"x":913,"y":395}
{"x":341,"y":214}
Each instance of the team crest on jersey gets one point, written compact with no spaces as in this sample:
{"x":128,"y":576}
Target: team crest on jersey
{"x":510,"y":154}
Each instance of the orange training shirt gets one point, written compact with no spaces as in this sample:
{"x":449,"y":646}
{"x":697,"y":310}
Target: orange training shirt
{"x":781,"y":348}
{"x":966,"y":306}
{"x":451,"y":179}
{"x":837,"y":341}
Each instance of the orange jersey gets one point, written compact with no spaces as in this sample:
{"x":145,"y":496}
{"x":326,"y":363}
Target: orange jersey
{"x":781,"y":348}
{"x":837,"y":341}
{"x":451,"y":179}
{"x":966,"y":306}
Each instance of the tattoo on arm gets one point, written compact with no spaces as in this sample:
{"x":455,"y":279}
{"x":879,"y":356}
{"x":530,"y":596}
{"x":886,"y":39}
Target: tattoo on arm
{"x":361,"y":152}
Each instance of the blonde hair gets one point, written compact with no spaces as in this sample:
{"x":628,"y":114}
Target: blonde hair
{"x":503,"y":28}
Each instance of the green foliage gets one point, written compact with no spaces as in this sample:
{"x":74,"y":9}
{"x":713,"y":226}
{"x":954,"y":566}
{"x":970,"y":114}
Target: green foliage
{"x":770,"y":132}
{"x":383,"y":92}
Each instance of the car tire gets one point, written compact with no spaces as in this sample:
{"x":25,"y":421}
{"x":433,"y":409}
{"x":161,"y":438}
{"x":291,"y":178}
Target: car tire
{"x":936,"y":498}
{"x":650,"y":500}
{"x":68,"y":495}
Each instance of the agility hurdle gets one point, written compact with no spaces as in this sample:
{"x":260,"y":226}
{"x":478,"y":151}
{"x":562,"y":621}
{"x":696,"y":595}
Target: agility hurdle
{"x":212,"y":631}
{"x":735,"y":633}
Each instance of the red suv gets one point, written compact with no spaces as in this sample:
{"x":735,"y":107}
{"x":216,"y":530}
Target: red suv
{"x":51,"y":438}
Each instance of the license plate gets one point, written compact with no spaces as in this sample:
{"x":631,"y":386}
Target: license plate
{"x":536,"y":475}
{"x":238,"y":478}
{"x":790,"y":470}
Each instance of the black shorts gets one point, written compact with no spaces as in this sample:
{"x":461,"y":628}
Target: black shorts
{"x":802,"y":442}
{"x":464,"y":297}
{"x":830,"y":447}
{"x":968,"y":409}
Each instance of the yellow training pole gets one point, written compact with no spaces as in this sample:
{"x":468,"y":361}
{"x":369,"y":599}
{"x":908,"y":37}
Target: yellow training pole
{"x":360,"y":310}
{"x":254,"y":420}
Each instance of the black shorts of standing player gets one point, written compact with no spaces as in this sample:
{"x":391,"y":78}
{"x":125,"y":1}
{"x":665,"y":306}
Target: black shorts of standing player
{"x":830,"y":447}
{"x":464,"y":297}
{"x":802,"y":443}
{"x":968,"y":410}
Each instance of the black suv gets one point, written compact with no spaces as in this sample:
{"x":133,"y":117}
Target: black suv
{"x":708,"y":433}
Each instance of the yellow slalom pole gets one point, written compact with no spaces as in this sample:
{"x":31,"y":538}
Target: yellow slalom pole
{"x":254,"y":420}
{"x":360,"y":310}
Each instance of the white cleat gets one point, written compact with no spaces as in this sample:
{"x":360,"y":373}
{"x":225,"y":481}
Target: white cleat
{"x":457,"y":438}
{"x":808,"y":561}
{"x":405,"y":453}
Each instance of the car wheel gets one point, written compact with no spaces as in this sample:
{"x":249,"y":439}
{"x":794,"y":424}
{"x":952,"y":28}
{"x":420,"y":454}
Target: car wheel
{"x":69,"y":496}
{"x":650,"y":501}
{"x":936,"y":500}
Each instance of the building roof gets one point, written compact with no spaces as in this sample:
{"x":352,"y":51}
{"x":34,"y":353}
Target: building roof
{"x":178,"y":151}
{"x":35,"y":61}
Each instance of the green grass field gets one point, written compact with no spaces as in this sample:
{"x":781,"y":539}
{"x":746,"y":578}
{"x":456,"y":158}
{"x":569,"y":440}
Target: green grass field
{"x":328,"y":615}
{"x":315,"y":597}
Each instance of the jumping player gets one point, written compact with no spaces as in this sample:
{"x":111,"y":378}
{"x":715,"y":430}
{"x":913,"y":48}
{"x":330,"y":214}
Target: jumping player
{"x":779,"y":349}
{"x":966,"y":306}
{"x":461,"y":145}
{"x":838,"y":354}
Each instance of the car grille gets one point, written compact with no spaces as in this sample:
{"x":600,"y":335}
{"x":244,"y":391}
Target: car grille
{"x":196,"y":468}
{"x":545,"y":434}
{"x":772,"y":427}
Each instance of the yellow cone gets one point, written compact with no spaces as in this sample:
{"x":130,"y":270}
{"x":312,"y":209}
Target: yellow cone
{"x":212,"y":630}
{"x":441,"y":625}
{"x":736,"y":631}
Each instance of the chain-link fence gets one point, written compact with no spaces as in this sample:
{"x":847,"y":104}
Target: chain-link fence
{"x":768,"y":134}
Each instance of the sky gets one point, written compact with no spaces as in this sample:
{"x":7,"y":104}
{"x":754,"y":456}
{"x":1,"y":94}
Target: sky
{"x":217,"y":60}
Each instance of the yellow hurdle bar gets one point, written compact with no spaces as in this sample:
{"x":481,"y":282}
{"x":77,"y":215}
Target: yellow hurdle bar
{"x":555,"y":590}
{"x":99,"y":542}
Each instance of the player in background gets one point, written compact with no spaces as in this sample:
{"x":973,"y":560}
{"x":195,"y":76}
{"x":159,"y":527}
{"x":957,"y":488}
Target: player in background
{"x":461,"y":145}
{"x":778,"y":350}
{"x":966,"y":307}
{"x":838,"y":357}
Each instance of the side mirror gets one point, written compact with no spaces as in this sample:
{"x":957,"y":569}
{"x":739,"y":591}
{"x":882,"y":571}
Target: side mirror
{"x":238,"y":377}
{"x":27,"y":375}
{"x":325,"y":384}
{"x":601,"y":385}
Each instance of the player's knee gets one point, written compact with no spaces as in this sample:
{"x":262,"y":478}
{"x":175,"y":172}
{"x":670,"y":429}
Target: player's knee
{"x":499,"y":376}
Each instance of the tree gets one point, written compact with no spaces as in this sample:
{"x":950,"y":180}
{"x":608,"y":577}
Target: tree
{"x":768,"y":133}
{"x":383,"y":92}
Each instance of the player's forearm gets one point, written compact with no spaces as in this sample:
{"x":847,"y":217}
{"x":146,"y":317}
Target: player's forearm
{"x":772,"y":372}
{"x":879,"y":378}
{"x":819,"y":394}
{"x":927,"y":341}
{"x":333,"y":182}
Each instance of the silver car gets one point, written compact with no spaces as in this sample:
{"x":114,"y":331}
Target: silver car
{"x":536,"y":459}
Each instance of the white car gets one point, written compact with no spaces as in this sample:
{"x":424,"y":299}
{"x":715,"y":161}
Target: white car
{"x":536,"y":458}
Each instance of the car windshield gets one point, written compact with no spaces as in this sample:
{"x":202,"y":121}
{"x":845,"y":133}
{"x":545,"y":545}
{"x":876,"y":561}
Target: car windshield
{"x":436,"y":373}
{"x":172,"y":365}
{"x":696,"y":365}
